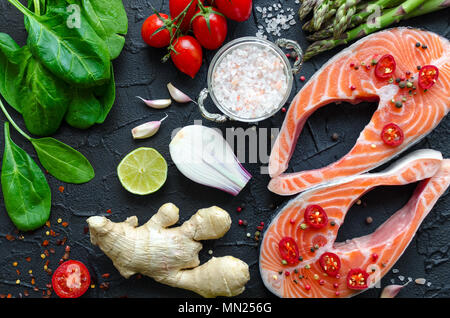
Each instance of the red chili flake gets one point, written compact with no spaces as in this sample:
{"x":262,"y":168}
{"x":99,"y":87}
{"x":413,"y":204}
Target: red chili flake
{"x":86,"y":229}
{"x":61,"y":189}
{"x":28,"y":259}
{"x":307,"y":287}
{"x":9,"y":237}
{"x":302,"y":78}
{"x":67,"y":249}
{"x":108,"y":211}
{"x":259,"y":228}
{"x":238,"y":209}
{"x":52,"y":233}
{"x":64,"y":224}
{"x":288,"y":55}
{"x":106,"y":275}
{"x":45,"y":243}
{"x":47,"y":223}
{"x":104,"y":286}
{"x":374,"y":257}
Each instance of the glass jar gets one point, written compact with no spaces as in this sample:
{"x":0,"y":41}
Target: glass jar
{"x":240,"y":42}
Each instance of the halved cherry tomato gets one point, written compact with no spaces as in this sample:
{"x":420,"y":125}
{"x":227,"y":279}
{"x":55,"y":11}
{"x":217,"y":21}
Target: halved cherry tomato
{"x":330,"y":263}
{"x":315,"y":216}
{"x":187,"y":55}
{"x":237,"y":10}
{"x":385,"y":66}
{"x":357,"y":279}
{"x":392,"y":135}
{"x":150,"y":33}
{"x":428,"y":75}
{"x":71,"y":279}
{"x":289,"y":250}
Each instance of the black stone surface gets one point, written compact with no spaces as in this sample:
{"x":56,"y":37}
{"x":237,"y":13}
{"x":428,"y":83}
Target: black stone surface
{"x":139,"y":72}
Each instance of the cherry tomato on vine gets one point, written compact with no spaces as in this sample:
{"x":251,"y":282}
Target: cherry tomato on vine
{"x":289,"y":250}
{"x":315,"y":216}
{"x":71,"y":279}
{"x":385,"y":66}
{"x":237,"y":10}
{"x":428,"y":75}
{"x":210,"y":27}
{"x":330,"y":263}
{"x":177,"y":6}
{"x":151,"y":25}
{"x":357,"y":279}
{"x":392,"y":135}
{"x":187,"y":55}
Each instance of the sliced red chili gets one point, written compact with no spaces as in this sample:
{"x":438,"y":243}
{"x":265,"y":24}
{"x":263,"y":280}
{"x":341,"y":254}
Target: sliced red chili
{"x":392,"y":135}
{"x":315,"y":216}
{"x":330,"y":263}
{"x":385,"y":66}
{"x":357,"y":279}
{"x":289,"y":250}
{"x":428,"y":75}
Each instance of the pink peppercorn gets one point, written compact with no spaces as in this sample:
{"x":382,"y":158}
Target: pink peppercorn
{"x":352,"y":64}
{"x":288,"y":55}
{"x":336,"y":285}
{"x":307,"y":287}
{"x":292,"y":221}
{"x":262,"y":223}
{"x":286,"y":273}
{"x":241,"y":222}
{"x":352,"y":87}
{"x":337,"y":293}
{"x":239,"y":209}
{"x":302,"y":78}
{"x":283,"y":109}
{"x":374,"y":257}
{"x":321,"y":282}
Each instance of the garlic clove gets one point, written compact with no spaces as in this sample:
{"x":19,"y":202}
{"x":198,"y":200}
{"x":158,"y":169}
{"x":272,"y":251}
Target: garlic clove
{"x":147,"y":130}
{"x":178,"y":95}
{"x":391,"y":291}
{"x":157,"y":104}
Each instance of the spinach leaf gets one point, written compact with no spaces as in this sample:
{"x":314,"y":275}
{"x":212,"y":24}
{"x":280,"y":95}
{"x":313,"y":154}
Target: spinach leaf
{"x":13,"y":62}
{"x":66,"y":44}
{"x":26,"y":192}
{"x":44,"y":99}
{"x":109,"y":19}
{"x":62,"y":161}
{"x":91,"y":106}
{"x":84,"y":109}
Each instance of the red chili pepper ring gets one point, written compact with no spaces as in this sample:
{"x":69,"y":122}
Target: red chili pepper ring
{"x":392,"y":135}
{"x":428,"y":75}
{"x":330,"y":263}
{"x":315,"y":216}
{"x":289,"y":250}
{"x":385,"y":66}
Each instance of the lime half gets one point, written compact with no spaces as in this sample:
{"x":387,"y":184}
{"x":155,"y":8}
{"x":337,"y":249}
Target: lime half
{"x":142,"y":171}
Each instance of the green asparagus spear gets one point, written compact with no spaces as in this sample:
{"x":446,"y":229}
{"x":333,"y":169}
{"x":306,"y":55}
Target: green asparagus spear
{"x":344,"y":17}
{"x":305,"y":8}
{"x":428,"y":7}
{"x":389,"y":17}
{"x":320,"y":13}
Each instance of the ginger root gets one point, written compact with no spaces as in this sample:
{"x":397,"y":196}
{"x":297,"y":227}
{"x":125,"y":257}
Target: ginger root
{"x":170,"y":255}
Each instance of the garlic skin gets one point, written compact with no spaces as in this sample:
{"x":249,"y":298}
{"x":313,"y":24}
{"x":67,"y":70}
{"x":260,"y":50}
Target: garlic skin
{"x":178,"y":95}
{"x":156,"y":104}
{"x":202,"y":155}
{"x":391,"y":291}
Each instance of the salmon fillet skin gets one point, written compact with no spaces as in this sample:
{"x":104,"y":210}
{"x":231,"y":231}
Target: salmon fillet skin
{"x":350,"y":76}
{"x":301,"y":272}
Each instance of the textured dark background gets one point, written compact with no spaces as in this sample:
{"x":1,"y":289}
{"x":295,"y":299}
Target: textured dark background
{"x":139,"y":72}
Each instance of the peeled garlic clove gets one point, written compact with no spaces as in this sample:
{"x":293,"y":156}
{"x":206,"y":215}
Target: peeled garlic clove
{"x":391,"y":291}
{"x":178,"y":95}
{"x":203,"y":155}
{"x":147,"y":130}
{"x":157,"y":104}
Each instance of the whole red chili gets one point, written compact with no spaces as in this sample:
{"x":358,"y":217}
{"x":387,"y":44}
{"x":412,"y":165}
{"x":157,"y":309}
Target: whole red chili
{"x":357,"y":279}
{"x":385,"y":66}
{"x":315,"y":216}
{"x":289,"y":250}
{"x":392,"y":135}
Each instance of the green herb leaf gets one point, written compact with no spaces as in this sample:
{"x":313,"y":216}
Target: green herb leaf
{"x":26,"y":192}
{"x":109,"y":19}
{"x":13,"y":63}
{"x":62,"y":161}
{"x":64,"y":41}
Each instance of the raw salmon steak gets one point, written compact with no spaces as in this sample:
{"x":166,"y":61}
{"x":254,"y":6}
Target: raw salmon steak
{"x":299,"y":259}
{"x":351,"y":77}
